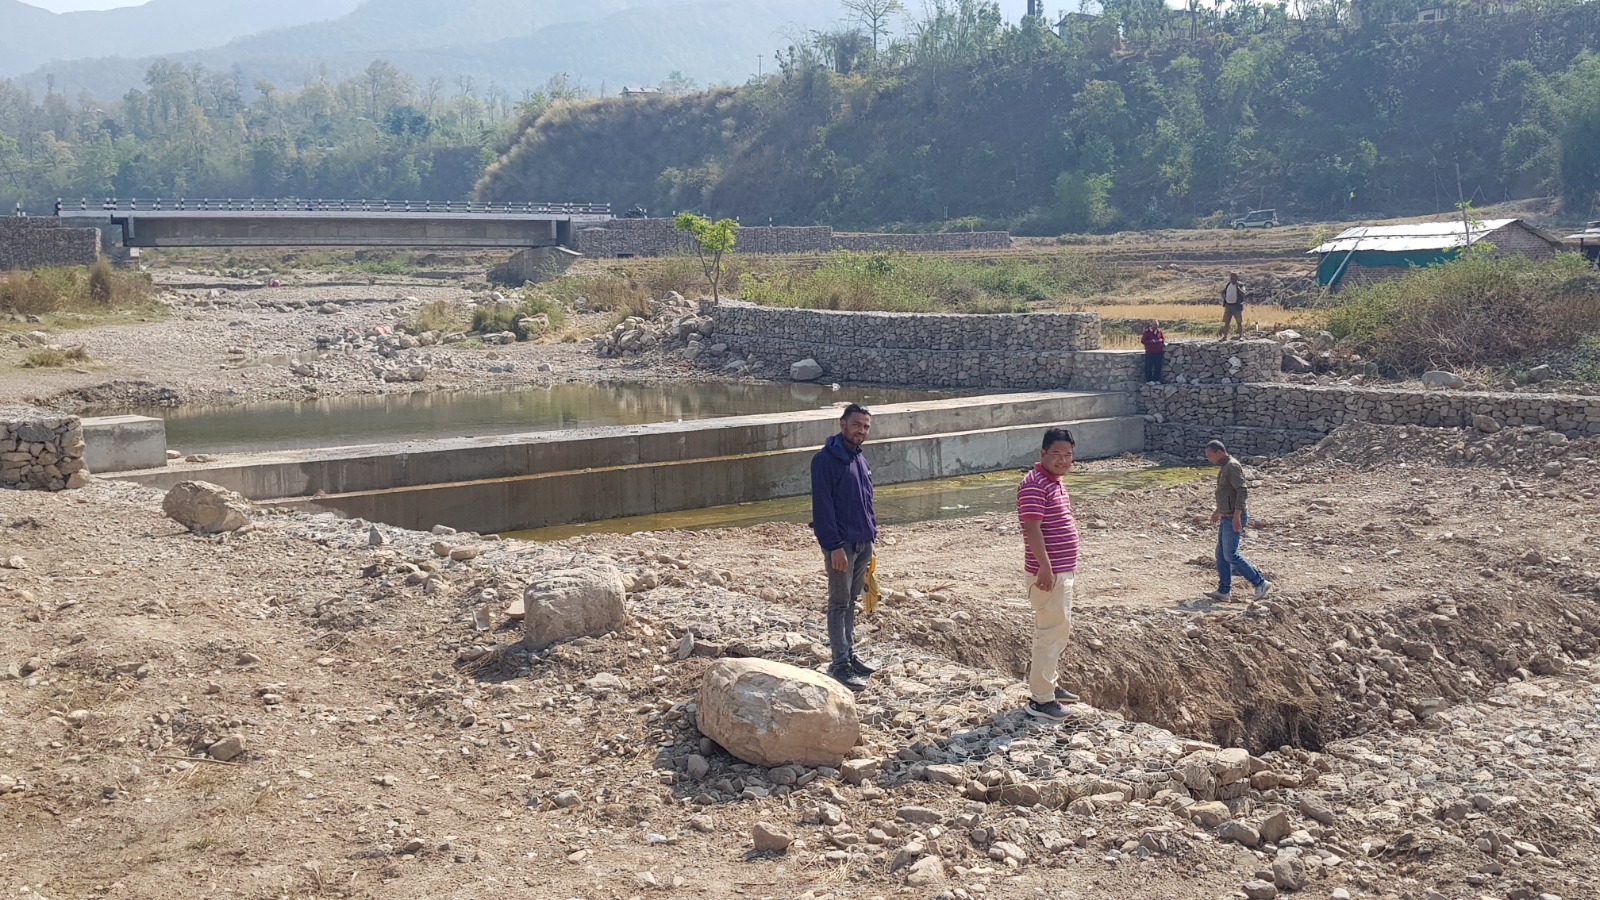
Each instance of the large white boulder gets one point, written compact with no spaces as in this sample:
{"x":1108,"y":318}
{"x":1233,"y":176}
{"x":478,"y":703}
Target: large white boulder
{"x":205,"y":507}
{"x":772,"y":714}
{"x":1441,"y":379}
{"x":805,"y":370}
{"x":572,"y":603}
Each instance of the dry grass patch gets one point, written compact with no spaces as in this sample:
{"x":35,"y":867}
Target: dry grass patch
{"x":54,"y":357}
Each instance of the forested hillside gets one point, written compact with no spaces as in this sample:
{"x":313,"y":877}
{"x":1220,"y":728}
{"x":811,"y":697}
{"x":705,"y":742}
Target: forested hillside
{"x":198,"y":133}
{"x":1345,"y":111}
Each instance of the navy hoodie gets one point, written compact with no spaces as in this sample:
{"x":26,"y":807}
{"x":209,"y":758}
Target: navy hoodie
{"x":841,"y":496}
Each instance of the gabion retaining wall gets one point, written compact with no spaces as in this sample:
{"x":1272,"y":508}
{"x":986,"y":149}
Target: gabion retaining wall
{"x":998,"y":351}
{"x":28,"y":242}
{"x":1322,"y":409}
{"x":1276,"y":418}
{"x":657,"y":237}
{"x":42,"y":453}
{"x":1003,"y":352}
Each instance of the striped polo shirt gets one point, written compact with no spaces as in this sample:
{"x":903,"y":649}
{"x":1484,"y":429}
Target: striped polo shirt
{"x":1042,"y":498}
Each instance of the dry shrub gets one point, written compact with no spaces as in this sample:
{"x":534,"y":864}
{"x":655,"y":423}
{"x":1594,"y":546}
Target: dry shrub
{"x":25,"y":293}
{"x":438,"y":315}
{"x":1476,"y":311}
{"x":48,"y":290}
{"x":54,"y":357}
{"x":684,"y":275}
{"x":610,"y":291}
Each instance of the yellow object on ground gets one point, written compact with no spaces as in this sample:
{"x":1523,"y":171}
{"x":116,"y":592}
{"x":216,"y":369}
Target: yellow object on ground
{"x":869,"y":597}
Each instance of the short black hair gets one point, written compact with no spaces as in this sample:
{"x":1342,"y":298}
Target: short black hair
{"x":1217,"y":447}
{"x":1057,"y":434}
{"x":852,"y":409}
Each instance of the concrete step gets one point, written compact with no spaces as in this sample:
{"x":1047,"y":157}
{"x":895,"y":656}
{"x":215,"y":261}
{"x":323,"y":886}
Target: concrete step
{"x":590,"y":494}
{"x":381,"y":467}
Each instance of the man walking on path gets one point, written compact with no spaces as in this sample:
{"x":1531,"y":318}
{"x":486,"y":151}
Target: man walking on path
{"x":1051,"y":539}
{"x":841,"y":516}
{"x":1231,"y":517}
{"x":1233,"y":298}
{"x":1155,"y":351}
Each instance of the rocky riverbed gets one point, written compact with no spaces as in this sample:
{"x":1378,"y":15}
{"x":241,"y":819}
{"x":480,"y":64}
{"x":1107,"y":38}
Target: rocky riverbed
{"x":310,"y":707}
{"x":316,"y":707}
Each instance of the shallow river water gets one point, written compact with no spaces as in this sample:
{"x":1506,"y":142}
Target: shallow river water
{"x":921,"y":501}
{"x":342,"y":421}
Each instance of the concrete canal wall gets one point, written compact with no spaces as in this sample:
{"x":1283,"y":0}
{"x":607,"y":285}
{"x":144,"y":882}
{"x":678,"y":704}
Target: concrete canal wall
{"x":553,"y":478}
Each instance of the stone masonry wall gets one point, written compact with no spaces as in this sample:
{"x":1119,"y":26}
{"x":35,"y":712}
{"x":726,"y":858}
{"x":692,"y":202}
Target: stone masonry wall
{"x":42,"y":453}
{"x":1002,"y":352}
{"x":30,"y":243}
{"x":657,"y":237}
{"x":989,"y":351}
{"x":1276,"y":418}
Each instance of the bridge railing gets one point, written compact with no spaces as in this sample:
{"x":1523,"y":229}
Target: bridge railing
{"x":309,"y":205}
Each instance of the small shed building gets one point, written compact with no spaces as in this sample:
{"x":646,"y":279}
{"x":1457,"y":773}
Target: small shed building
{"x":1588,"y":241}
{"x":1377,"y":252}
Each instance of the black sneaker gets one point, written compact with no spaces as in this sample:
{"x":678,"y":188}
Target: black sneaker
{"x":861,"y":668}
{"x":846,"y":677}
{"x":1050,"y":711}
{"x":1065,"y":696}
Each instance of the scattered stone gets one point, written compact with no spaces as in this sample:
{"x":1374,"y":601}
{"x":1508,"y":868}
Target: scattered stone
{"x":1316,"y":808}
{"x":1259,"y":890}
{"x":805,"y":370}
{"x":1289,"y":872}
{"x":1445,"y":380}
{"x":768,"y":839}
{"x":926,"y":872}
{"x":856,"y":771}
{"x":697,"y":766}
{"x":1240,"y":833}
{"x":206,"y":508}
{"x":772,"y":714}
{"x":1210,"y":814}
{"x":226,"y":749}
{"x":1276,"y":827}
{"x":573,"y":603}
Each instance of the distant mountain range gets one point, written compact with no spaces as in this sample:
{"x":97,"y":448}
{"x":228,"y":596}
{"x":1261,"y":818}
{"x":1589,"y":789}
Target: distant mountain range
{"x":514,"y":44}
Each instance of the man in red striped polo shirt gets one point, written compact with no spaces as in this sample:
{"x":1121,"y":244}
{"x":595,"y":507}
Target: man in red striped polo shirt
{"x":1051,"y":538}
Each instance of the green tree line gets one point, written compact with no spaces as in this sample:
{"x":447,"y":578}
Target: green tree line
{"x":1138,"y":116}
{"x":199,"y":133}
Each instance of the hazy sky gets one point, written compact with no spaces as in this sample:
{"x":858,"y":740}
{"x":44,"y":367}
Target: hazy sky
{"x":1013,"y":9}
{"x":73,"y":5}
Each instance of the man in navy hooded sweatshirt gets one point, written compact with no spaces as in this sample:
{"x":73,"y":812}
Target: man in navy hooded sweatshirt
{"x":841,"y":516}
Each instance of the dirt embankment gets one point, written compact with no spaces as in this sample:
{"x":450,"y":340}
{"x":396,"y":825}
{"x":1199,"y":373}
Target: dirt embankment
{"x":1424,"y":656}
{"x":294,"y":711}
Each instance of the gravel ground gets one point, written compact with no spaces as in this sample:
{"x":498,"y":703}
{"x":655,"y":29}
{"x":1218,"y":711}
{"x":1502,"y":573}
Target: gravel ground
{"x":294,"y":711}
{"x":242,"y":344}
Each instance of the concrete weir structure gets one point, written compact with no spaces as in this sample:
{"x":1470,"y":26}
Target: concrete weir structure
{"x":517,"y":482}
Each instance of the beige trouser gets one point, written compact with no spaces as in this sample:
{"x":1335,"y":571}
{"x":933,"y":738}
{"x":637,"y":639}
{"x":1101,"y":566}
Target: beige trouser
{"x":1052,"y":613}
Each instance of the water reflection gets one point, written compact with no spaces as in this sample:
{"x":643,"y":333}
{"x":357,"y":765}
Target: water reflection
{"x":340,"y":421}
{"x":921,"y":501}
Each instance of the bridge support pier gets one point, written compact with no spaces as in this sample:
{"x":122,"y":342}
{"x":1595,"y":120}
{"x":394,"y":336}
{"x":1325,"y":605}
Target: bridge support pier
{"x":533,"y":264}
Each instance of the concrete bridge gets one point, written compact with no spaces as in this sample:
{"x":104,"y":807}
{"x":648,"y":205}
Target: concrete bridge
{"x":344,"y":223}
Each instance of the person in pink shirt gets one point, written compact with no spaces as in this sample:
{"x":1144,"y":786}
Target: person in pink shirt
{"x":1050,"y":537}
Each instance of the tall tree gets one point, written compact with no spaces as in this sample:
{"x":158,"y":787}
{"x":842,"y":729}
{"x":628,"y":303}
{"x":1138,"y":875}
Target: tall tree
{"x":873,"y":16}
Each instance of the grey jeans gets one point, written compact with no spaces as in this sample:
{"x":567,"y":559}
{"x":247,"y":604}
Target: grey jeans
{"x":843,"y":589}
